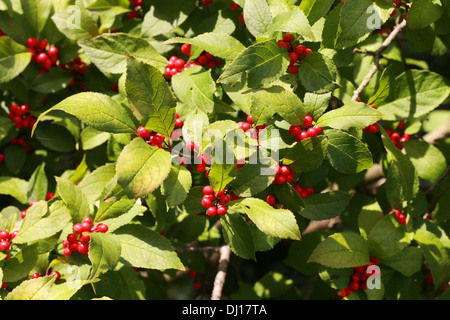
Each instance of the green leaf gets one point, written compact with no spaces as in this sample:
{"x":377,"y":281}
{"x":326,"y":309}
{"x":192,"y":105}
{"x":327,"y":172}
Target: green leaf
{"x":250,"y":179}
{"x":73,"y":198}
{"x":327,"y":205}
{"x":289,"y":197}
{"x":20,"y":264}
{"x":33,"y":289}
{"x":423,"y":13}
{"x":316,"y":104}
{"x":368,"y":217}
{"x":91,"y":138}
{"x":318,"y":73}
{"x":263,"y":63}
{"x":346,"y":153}
{"x":221,"y":174}
{"x":14,"y":58}
{"x":436,"y":252}
{"x":151,"y":100}
{"x":257,"y":16}
{"x":54,"y":137}
{"x":107,"y":52}
{"x":38,"y":184}
{"x":104,"y":252}
{"x":357,"y":21}
{"x":352,"y":115}
{"x":54,"y":80}
{"x":141,"y":169}
{"x":95,"y":182}
{"x":428,"y":160}
{"x":416,"y":93}
{"x":238,"y":235}
{"x":388,"y":237}
{"x":42,"y":222}
{"x":177,"y":185}
{"x":407,"y":171}
{"x":111,"y":210}
{"x":76,"y":23}
{"x":96,"y":110}
{"x":407,"y":262}
{"x":37,"y":13}
{"x":195,"y":87}
{"x":307,"y":155}
{"x":219,"y":45}
{"x":194,"y":125}
{"x":315,"y":9}
{"x":145,"y":248}
{"x":15,"y":157}
{"x":293,"y":21}
{"x":342,"y":250}
{"x":274,"y":222}
{"x":284,"y":102}
{"x":14,"y":187}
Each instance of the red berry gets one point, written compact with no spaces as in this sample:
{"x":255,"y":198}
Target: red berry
{"x":300,"y":50}
{"x":202,"y":60}
{"x":307,"y":122}
{"x":282,"y":44}
{"x":294,"y":130}
{"x":395,"y":136}
{"x":197,"y":285}
{"x":354,"y":286}
{"x":32,"y":42}
{"x":4,"y":235}
{"x":211,"y":211}
{"x":52,"y":51}
{"x":58,"y":275}
{"x":85,"y":238}
{"x":307,"y":51}
{"x":102,"y":228}
{"x":83,"y":248}
{"x":280,"y":179}
{"x":190,"y":145}
{"x":41,"y":57}
{"x":241,"y":18}
{"x":78,"y":228}
{"x":206,"y":202}
{"x":287,"y":37}
{"x":42,"y":44}
{"x":179,"y":63}
{"x":207,"y":190}
{"x":4,"y":245}
{"x":293,"y":69}
{"x":250,"y":119}
{"x":67,"y":252}
{"x":179,"y":123}
{"x":246,"y":126}
{"x":234,"y":5}
{"x":224,"y":199}
{"x":271,"y":199}
{"x":35,"y":275}
{"x":222,"y":210}
{"x":186,"y":49}
{"x":284,"y":170}
{"x":49,"y":196}
{"x":72,"y":238}
{"x":293,"y":56}
{"x":201,"y":167}
{"x":86,"y":226}
{"x":143,"y":132}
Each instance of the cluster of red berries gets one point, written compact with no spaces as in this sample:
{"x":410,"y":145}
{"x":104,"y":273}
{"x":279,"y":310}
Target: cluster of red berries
{"x":152,"y":138}
{"x":40,"y":54}
{"x":21,"y":116}
{"x":202,"y":159}
{"x":303,"y":192}
{"x":309,"y":131}
{"x":49,"y":196}
{"x":398,"y":135}
{"x":176,"y":65}
{"x":373,"y":128}
{"x":359,"y":279}
{"x":78,"y":241}
{"x":77,"y":68}
{"x":136,"y":8}
{"x":193,"y":274}
{"x":246,"y":126}
{"x":296,"y":53}
{"x":5,"y":240}
{"x":400,"y":216}
{"x":215,"y":202}
{"x":283,"y":174}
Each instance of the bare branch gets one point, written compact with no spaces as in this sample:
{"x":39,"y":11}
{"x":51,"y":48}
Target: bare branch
{"x":219,"y":281}
{"x":377,"y":57}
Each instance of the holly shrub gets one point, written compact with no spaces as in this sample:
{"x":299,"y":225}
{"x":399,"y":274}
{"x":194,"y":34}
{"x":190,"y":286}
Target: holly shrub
{"x":247,"y":149}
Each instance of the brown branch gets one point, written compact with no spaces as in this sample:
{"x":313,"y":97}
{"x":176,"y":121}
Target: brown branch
{"x":219,"y":281}
{"x":377,"y":57}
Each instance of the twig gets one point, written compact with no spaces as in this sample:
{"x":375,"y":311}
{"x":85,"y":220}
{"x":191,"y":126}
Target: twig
{"x":377,"y":57}
{"x":197,"y":250}
{"x":219,"y":281}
